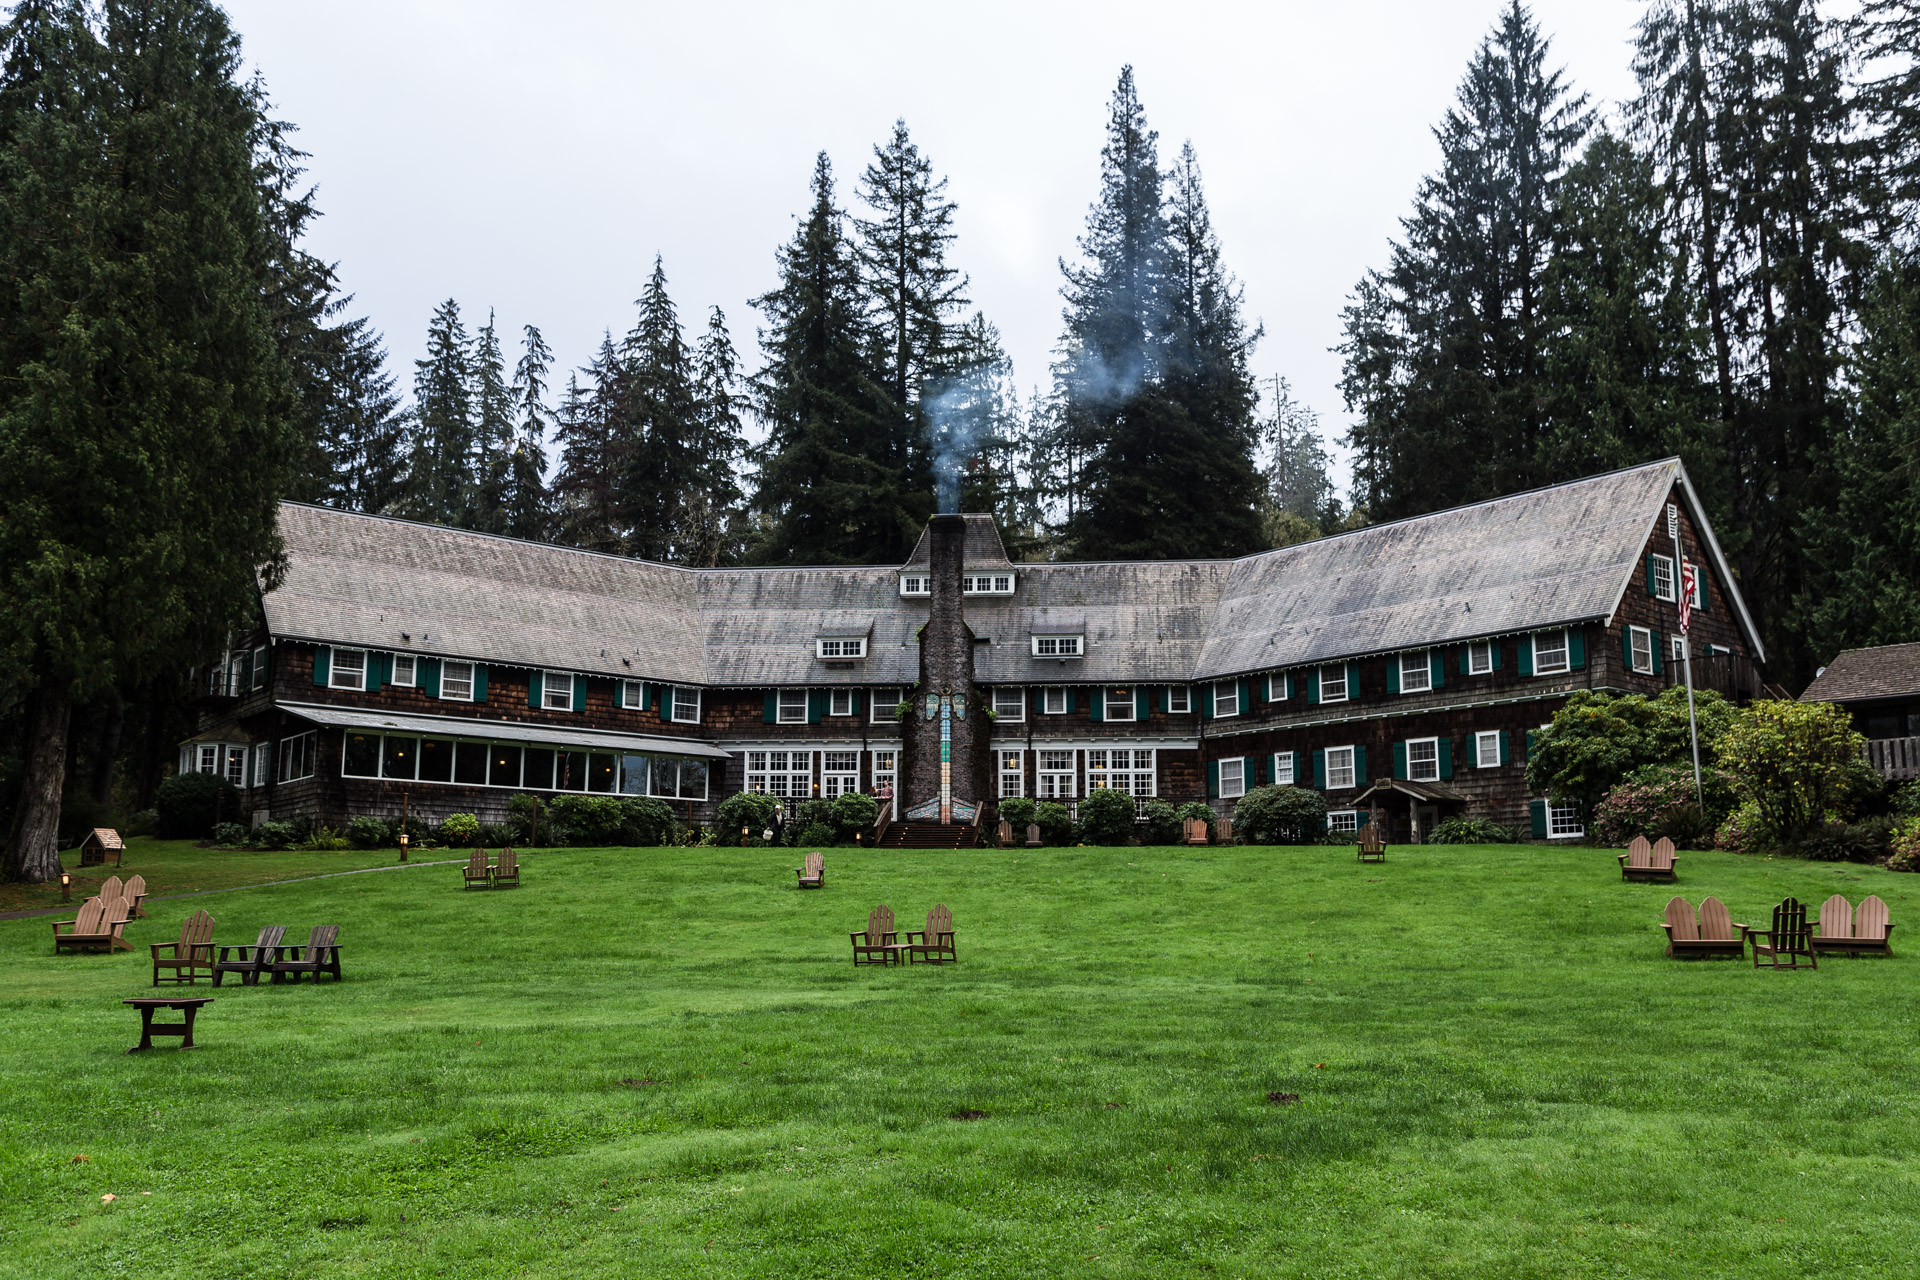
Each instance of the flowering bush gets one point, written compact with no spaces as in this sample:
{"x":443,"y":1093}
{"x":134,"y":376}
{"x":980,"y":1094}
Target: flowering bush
{"x":1906,"y":846}
{"x":1659,"y":800}
{"x":1743,"y":831}
{"x":1799,"y":763}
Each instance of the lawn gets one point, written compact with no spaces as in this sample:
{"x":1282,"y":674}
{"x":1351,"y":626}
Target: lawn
{"x":659,"y":1062}
{"x":179,"y":866}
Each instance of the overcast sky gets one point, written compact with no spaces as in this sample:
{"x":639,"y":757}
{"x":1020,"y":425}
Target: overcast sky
{"x":534,"y":158}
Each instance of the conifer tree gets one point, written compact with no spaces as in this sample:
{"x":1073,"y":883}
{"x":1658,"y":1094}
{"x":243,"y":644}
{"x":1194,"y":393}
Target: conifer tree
{"x":529,"y":506}
{"x":440,"y":478}
{"x":663,"y":461}
{"x":827,"y":492}
{"x":710,"y":522}
{"x":357,"y":422}
{"x":493,"y":428}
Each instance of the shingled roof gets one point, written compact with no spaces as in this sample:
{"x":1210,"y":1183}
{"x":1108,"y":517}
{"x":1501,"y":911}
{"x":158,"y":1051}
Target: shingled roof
{"x":1556,"y":555}
{"x":1861,"y":675}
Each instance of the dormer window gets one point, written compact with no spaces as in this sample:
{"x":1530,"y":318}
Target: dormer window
{"x":916,"y":584}
{"x":987,"y":584}
{"x":841,"y":647}
{"x":1059,"y":646}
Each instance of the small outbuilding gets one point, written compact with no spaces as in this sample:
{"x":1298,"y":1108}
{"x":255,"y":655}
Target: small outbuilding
{"x":1880,"y":688}
{"x":103,"y":844}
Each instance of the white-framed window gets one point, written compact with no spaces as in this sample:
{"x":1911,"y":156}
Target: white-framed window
{"x":236,"y":766}
{"x":1480,"y":658}
{"x":684,"y":703}
{"x":1333,"y":682}
{"x":1693,"y":597}
{"x":1009,"y":704}
{"x":791,"y":707}
{"x":839,"y":773}
{"x":1416,"y":672}
{"x":349,"y":670}
{"x":885,"y":766}
{"x":1053,"y":701}
{"x":1563,"y":822}
{"x":1118,"y":703}
{"x":1013,"y":773}
{"x":403,"y":670}
{"x":787,"y":775}
{"x":1640,"y":649}
{"x":1056,"y":775}
{"x":556,"y":691}
{"x":296,"y":757}
{"x":916,"y":584}
{"x":209,"y":758}
{"x":1486,"y":750}
{"x":1343,"y":819}
{"x":886,"y":703}
{"x":260,"y":667}
{"x":841,"y":647}
{"x":456,"y":681}
{"x":262,"y":756}
{"x":633,"y":695}
{"x":840,"y":702}
{"x":1339,"y":768}
{"x":1058,"y":646}
{"x":1233,"y":777}
{"x":986,"y":584}
{"x":1121,"y":769}
{"x":1679,"y":648}
{"x":1179,"y":700}
{"x":1550,"y":652}
{"x":1226,"y":699}
{"x":1283,"y":769}
{"x":1276,"y":687}
{"x":1423,"y":759}
{"x":1662,"y":567}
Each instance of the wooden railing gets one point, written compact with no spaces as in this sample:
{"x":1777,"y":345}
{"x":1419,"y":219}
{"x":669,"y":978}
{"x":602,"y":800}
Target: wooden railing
{"x":881,"y":823}
{"x":1897,"y":759}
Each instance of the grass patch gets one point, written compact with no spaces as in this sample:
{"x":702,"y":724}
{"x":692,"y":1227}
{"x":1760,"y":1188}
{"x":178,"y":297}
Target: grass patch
{"x":1466,"y":1062}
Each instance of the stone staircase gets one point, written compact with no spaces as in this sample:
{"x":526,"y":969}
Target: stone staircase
{"x":928,"y":835}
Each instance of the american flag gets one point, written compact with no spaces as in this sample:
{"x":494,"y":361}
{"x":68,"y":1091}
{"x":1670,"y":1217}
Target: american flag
{"x":1687,"y":586}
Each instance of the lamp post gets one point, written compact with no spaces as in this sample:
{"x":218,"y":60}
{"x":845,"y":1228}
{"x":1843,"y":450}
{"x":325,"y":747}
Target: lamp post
{"x":66,"y":886}
{"x":403,"y":826}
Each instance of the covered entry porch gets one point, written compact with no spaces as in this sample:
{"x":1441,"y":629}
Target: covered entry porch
{"x":1404,"y":812}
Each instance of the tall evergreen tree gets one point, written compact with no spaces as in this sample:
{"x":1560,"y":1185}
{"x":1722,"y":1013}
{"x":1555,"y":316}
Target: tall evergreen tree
{"x":493,"y":431}
{"x":358,"y":423}
{"x":145,"y":398}
{"x":594,"y":443}
{"x":828,"y":493}
{"x":710,"y":524}
{"x":1299,"y":500}
{"x":440,"y":477}
{"x":663,"y":462}
{"x":529,"y":506}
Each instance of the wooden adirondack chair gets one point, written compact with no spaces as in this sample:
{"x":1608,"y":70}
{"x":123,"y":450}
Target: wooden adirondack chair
{"x":1789,"y":944}
{"x":1369,"y":847}
{"x":1845,"y":929}
{"x":191,"y":955}
{"x":112,"y":890}
{"x":1003,"y":834}
{"x":249,"y":960}
{"x":136,"y":892}
{"x":319,"y":956}
{"x":878,"y":944}
{"x":91,"y":929}
{"x":814,"y":874}
{"x":477,"y":872}
{"x":1222,"y":831}
{"x":119,"y":914}
{"x":1712,"y":933}
{"x":935,"y":944}
{"x":1194,"y":831}
{"x":507,"y":874}
{"x":1643,"y":861}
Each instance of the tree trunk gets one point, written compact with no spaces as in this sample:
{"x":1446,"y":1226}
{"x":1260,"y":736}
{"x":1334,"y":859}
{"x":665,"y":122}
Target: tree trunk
{"x":108,"y":759}
{"x":32,"y":855}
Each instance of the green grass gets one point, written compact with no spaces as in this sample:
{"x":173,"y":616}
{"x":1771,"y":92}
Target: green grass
{"x":180,"y":866}
{"x":1498,"y":1072}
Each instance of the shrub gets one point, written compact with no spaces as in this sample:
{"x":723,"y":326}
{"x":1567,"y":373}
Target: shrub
{"x":275,"y":835}
{"x":1464,"y":830}
{"x":854,"y":813}
{"x":1056,"y":824}
{"x":648,"y":821}
{"x":587,"y":820}
{"x":1906,"y":846}
{"x":1280,"y":815}
{"x":186,"y":804}
{"x":1868,"y":840}
{"x":1659,"y":800}
{"x":1743,"y":831}
{"x":813,"y":835}
{"x":494,"y":834}
{"x":1196,"y":811}
{"x":1163,"y":823}
{"x":1596,"y":739}
{"x":1906,"y":801}
{"x":143,"y":823}
{"x":1017,"y":810}
{"x":323,"y":838}
{"x":460,"y":830}
{"x":229,"y":835}
{"x":369,"y":832}
{"x":1106,"y":816}
{"x":745,"y":809}
{"x":1799,"y":763}
{"x":521,"y":811}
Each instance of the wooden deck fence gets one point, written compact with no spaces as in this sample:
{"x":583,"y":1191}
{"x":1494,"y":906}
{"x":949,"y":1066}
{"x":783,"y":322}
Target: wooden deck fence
{"x":1897,"y":759}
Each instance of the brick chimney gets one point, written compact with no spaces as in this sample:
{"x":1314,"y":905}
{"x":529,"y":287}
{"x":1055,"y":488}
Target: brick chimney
{"x":946,"y":671}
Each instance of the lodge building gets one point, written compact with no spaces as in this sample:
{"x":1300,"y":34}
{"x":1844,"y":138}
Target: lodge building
{"x":1398,"y":668}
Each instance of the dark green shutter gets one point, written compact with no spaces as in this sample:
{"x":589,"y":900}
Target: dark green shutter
{"x":1166,"y":696}
{"x":1446,"y":757}
{"x":1213,"y":779}
{"x":579,"y":692}
{"x":322,"y":664}
{"x":1659,"y":659}
{"x":246,"y":670}
{"x":1537,"y":810}
{"x":426,"y":673}
{"x":1360,"y":778}
{"x":1097,"y":705}
{"x":1320,"y":768}
{"x":1526,"y":655}
{"x":479,"y":682}
{"x":536,"y":684}
{"x":1506,"y":752}
{"x":1701,"y":576}
{"x":1494,"y":647}
{"x":1400,"y":761}
{"x":1039,"y":701}
{"x":1466,"y":659}
{"x":1313,"y":687}
{"x":379,"y":671}
{"x":1532,"y":737}
{"x":1577,"y":648}
{"x":1393,"y":673}
{"x":1353,"y":682}
{"x":1243,"y":697}
{"x":1069,"y":698}
{"x":1651,"y":590}
{"x":1626,"y":644}
{"x":816,"y":705}
{"x":1437,"y":664}
{"x":773,"y":707}
{"x":856,"y":702}
{"x":1142,"y":701}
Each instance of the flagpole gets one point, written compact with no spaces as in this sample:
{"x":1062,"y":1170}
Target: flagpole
{"x":1683,"y":604}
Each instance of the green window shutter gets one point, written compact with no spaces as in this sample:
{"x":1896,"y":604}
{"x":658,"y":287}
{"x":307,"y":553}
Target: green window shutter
{"x":246,"y":670}
{"x":1393,"y":673}
{"x":1506,"y":751}
{"x":1166,"y":699}
{"x":1702,"y":577}
{"x":1360,"y":778}
{"x":773,"y":707}
{"x":1532,"y":737}
{"x":1293,"y":687}
{"x":1446,"y":758}
{"x":1659,"y":660}
{"x":322,"y":664}
{"x":1202,"y":694}
{"x":1142,"y":701}
{"x":1650,"y":591}
{"x":479,"y":682}
{"x":1320,"y":768}
{"x":1626,"y":646}
{"x":379,"y":671}
{"x":1437,"y":664}
{"x":1243,"y":698}
{"x":579,"y":692}
{"x":1097,"y":705}
{"x":1400,"y":761}
{"x":1313,"y":688}
{"x":1577,"y":648}
{"x":427,"y":673}
{"x":856,"y":702}
{"x":1466,"y":660}
{"x":1213,"y":779}
{"x":1039,"y":701}
{"x":1526,"y":655}
{"x":1495,"y":646}
{"x":816,"y":705}
{"x":1538,"y":812}
{"x":1069,"y":694}
{"x":536,"y":681}
{"x":1353,"y":682}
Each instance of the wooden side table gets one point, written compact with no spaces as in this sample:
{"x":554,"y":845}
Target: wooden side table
{"x":147,"y":1005}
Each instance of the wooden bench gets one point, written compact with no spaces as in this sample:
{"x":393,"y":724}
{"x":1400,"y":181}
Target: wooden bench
{"x":813,"y":874}
{"x":1643,"y":861}
{"x":149,"y":1005}
{"x":319,"y":955}
{"x":935,"y":945}
{"x":91,"y":929}
{"x":1845,"y":929}
{"x":250,"y":959}
{"x":1789,"y":944}
{"x":878,"y":943}
{"x":477,"y":872}
{"x":507,"y":874}
{"x":1712,"y":933}
{"x":1370,"y":848}
{"x":191,"y":955}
